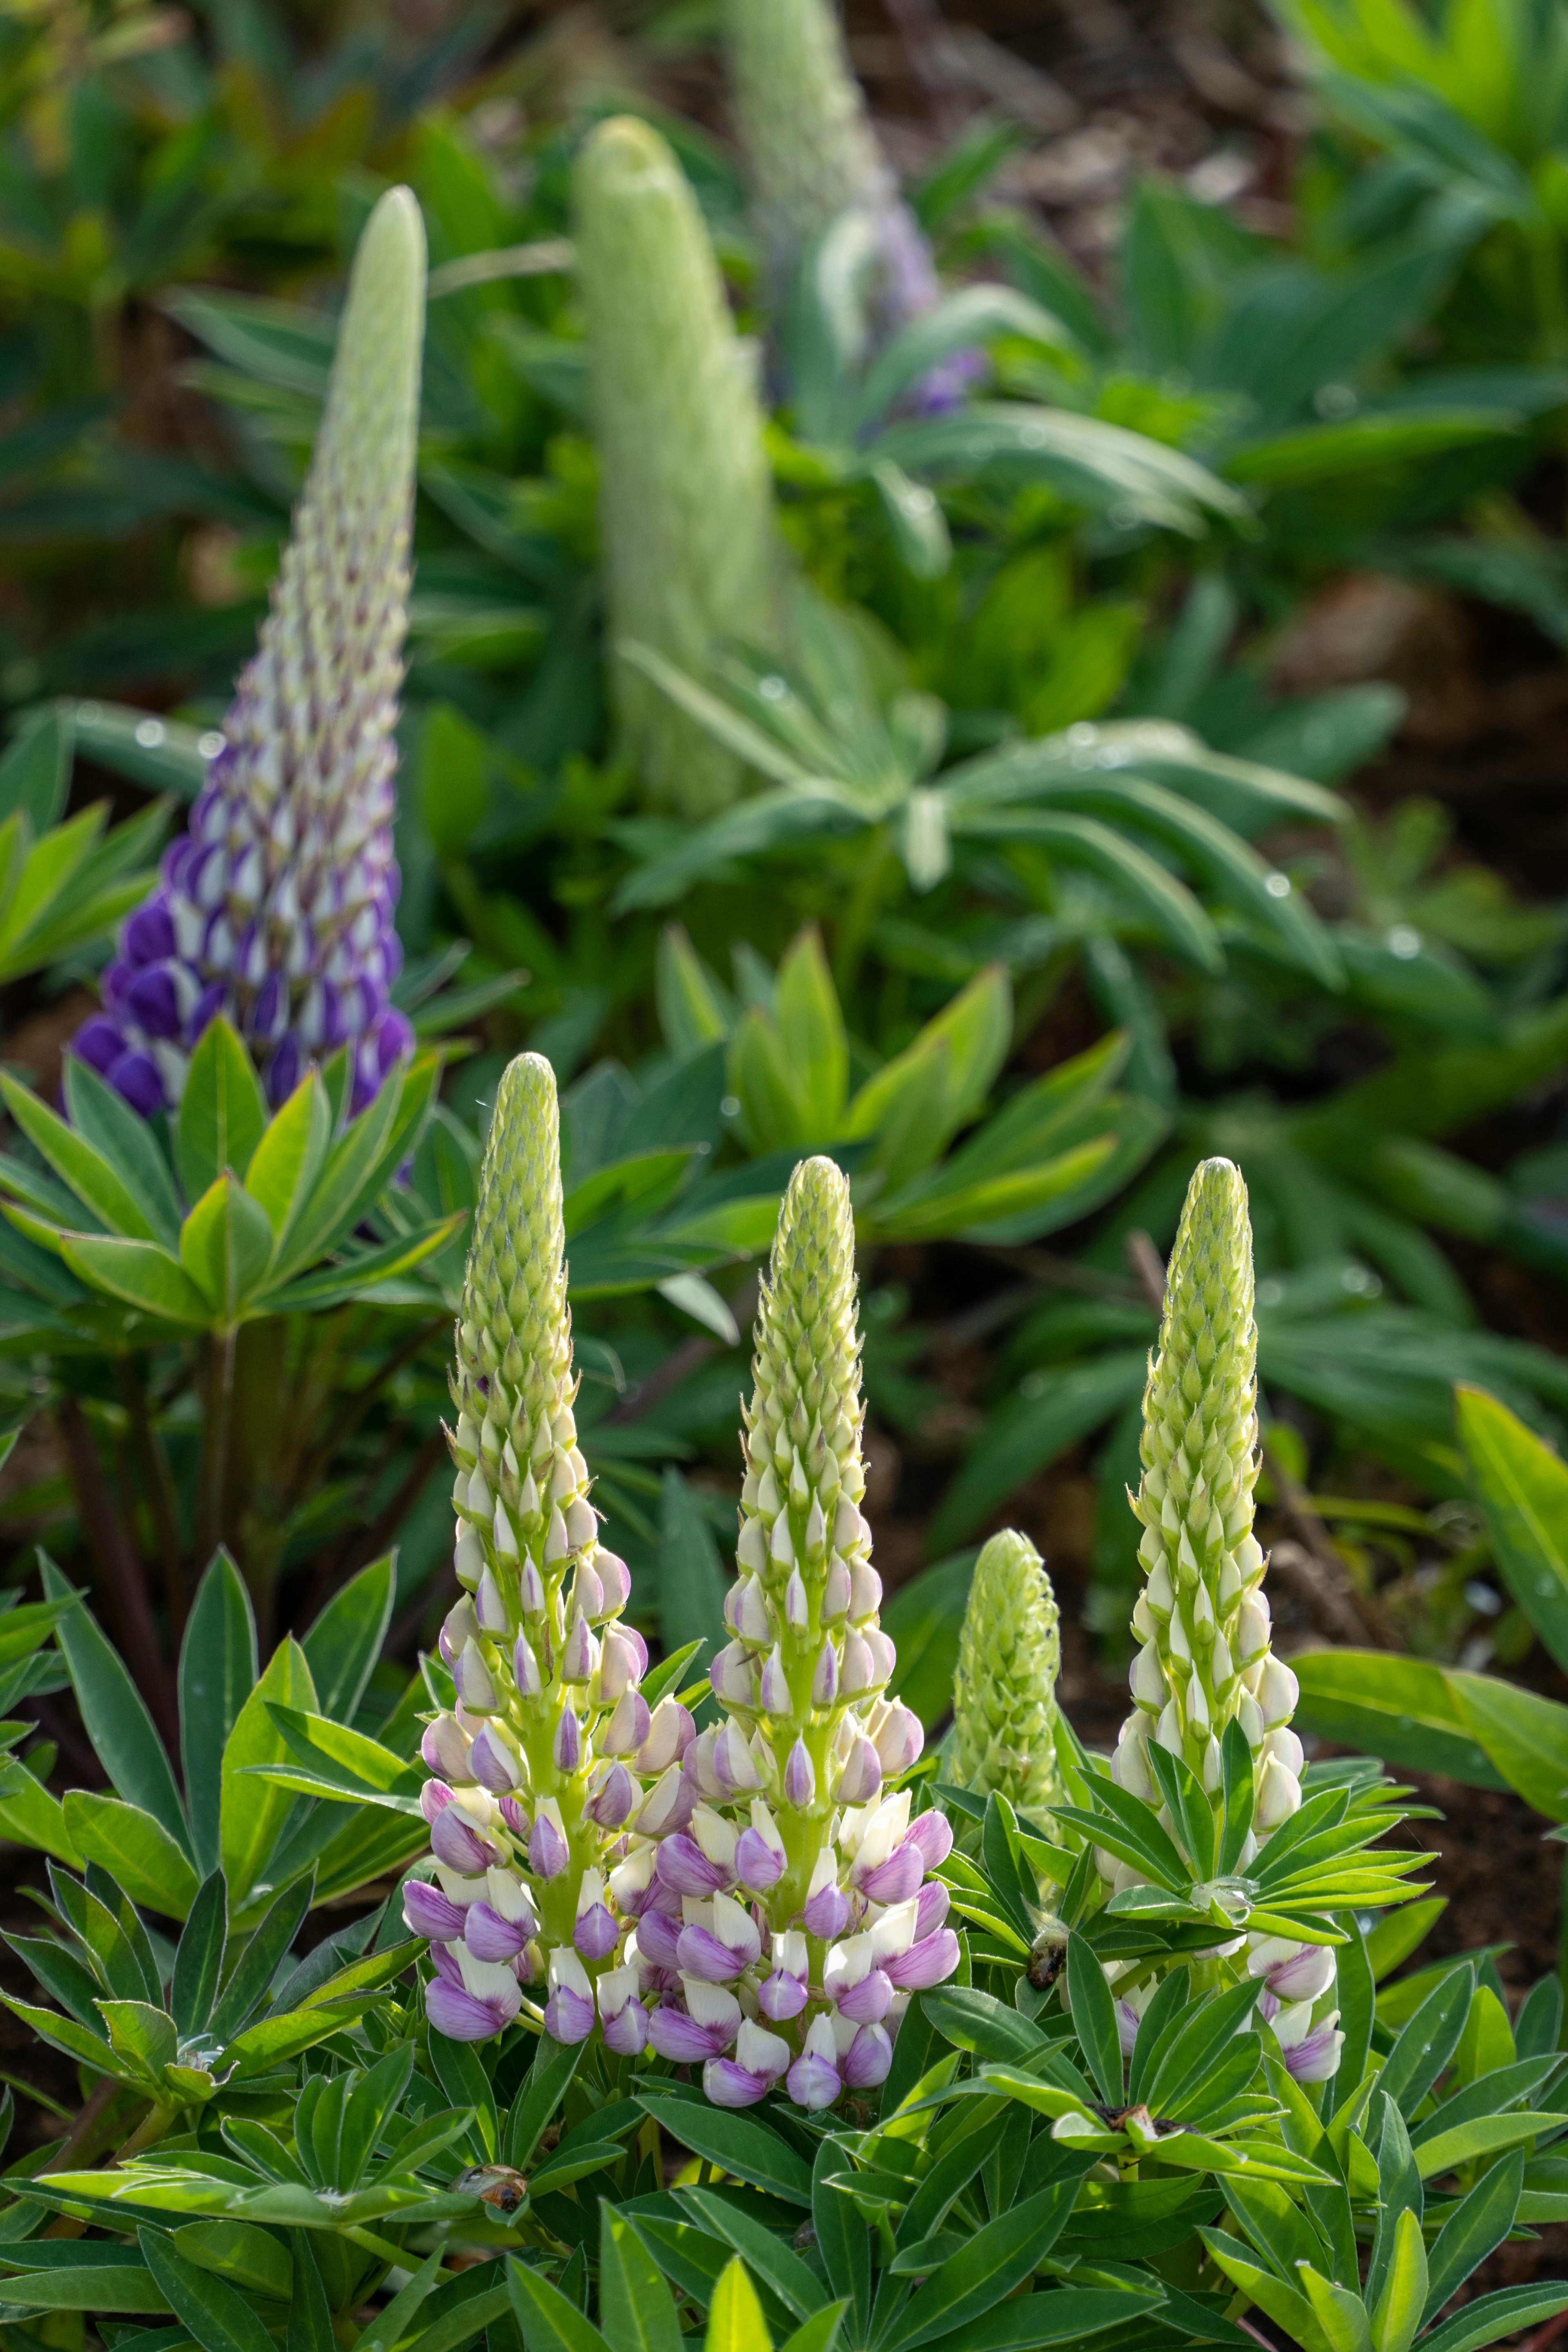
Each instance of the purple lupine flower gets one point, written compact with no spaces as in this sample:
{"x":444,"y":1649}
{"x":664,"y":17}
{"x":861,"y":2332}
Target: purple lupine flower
{"x":275,"y":909}
{"x":759,"y":2059}
{"x":568,"y":2011}
{"x":427,"y":1912}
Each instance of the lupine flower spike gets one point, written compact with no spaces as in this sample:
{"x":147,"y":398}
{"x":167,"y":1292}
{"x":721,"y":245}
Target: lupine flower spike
{"x":796,"y":1916}
{"x":275,"y":909}
{"x":685,"y":505}
{"x":1004,"y":1688}
{"x":1202,"y":1616}
{"x":812,"y":157}
{"x":539,"y":1770}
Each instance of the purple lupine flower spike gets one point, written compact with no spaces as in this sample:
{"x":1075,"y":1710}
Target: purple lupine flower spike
{"x":275,"y":909}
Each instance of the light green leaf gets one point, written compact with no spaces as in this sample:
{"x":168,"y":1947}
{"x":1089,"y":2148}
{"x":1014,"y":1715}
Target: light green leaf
{"x":252,"y":1811}
{"x":1399,"y":2307}
{"x":134,"y":1848}
{"x":1522,"y":1488}
{"x":1484,"y":2136}
{"x":116,"y":1717}
{"x":1403,"y":1709}
{"x":223,"y":1111}
{"x":288,"y":1157}
{"x":345,"y":1640}
{"x":100,"y":2286}
{"x":634,"y":2301}
{"x":1525,"y":1737}
{"x":126,"y":1140}
{"x":548,"y":2321}
{"x":140,"y":1273}
{"x":226,"y":1245}
{"x":735,"y":2320}
{"x":239,"y":2252}
{"x":90,"y":1175}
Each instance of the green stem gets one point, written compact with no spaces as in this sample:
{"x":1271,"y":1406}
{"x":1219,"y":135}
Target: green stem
{"x":163,"y":1503}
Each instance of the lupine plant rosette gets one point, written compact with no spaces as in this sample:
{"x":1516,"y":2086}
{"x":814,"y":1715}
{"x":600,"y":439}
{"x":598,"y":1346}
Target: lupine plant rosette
{"x":539,"y":1767}
{"x":1202,"y":1617}
{"x":1004,"y":1685}
{"x":275,"y":909}
{"x":794,"y":1915}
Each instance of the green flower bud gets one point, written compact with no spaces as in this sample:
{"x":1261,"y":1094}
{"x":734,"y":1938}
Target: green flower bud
{"x":1004,"y":1691}
{"x":1202,"y":1618}
{"x":802,"y":122}
{"x":685,"y":506}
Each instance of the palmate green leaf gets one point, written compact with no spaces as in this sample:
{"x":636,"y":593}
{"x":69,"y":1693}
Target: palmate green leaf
{"x":1524,"y":1736}
{"x":1492,"y":2317}
{"x":360,"y":1271}
{"x":345,"y":1640}
{"x":226,"y":1247}
{"x":794,"y":2283}
{"x":219,"y":2318}
{"x":37,"y":878}
{"x":150,"y":1864}
{"x":115,"y":1715}
{"x":1522,"y":1488}
{"x":1403,"y":1709}
{"x":252,"y":1810}
{"x":125,"y":2285}
{"x":340,"y":1761}
{"x":1083,"y":456}
{"x":634,"y":2301}
{"x":125,"y":1139}
{"x":142,"y":1274}
{"x":240,"y":2253}
{"x":1475,"y":2228}
{"x":360,"y":1164}
{"x":741,"y":2144}
{"x":1166,"y":903}
{"x":217,"y":1673}
{"x":1446,"y":2152}
{"x":199,"y":1958}
{"x":90,"y":1175}
{"x":30,"y":1815}
{"x":548,"y":2321}
{"x":1067,"y":2315}
{"x":287,"y":1156}
{"x":994,"y":2262}
{"x":223,"y":1111}
{"x":34,"y":775}
{"x":931,"y":1210}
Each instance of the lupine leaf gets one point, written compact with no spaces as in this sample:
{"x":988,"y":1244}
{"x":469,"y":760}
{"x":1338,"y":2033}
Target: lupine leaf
{"x":223,"y":1111}
{"x":345,"y":1640}
{"x":549,"y":2322}
{"x":219,"y":2319}
{"x":139,"y":1851}
{"x":199,"y":1958}
{"x":217,"y":1673}
{"x":634,"y":2301}
{"x":740,"y":2144}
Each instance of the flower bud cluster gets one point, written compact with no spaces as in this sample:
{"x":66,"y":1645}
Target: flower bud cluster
{"x":787,"y":1922}
{"x":275,"y":909}
{"x":1004,"y":1688}
{"x":1202,"y":1617}
{"x":542,"y":1768}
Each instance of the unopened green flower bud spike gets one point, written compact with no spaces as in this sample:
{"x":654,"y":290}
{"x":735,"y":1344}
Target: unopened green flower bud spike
{"x":1202,"y":1618}
{"x":1004,"y":1691}
{"x":538,"y":1769}
{"x":685,"y":499}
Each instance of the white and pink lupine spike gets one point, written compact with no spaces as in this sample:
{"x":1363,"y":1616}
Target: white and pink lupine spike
{"x":537,"y":1779}
{"x":794,"y":1892}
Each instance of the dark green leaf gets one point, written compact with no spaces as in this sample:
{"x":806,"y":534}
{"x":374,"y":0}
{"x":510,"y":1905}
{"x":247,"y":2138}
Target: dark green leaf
{"x":739,"y":2144}
{"x":199,"y":1958}
{"x":116,"y":1717}
{"x":219,"y":2319}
